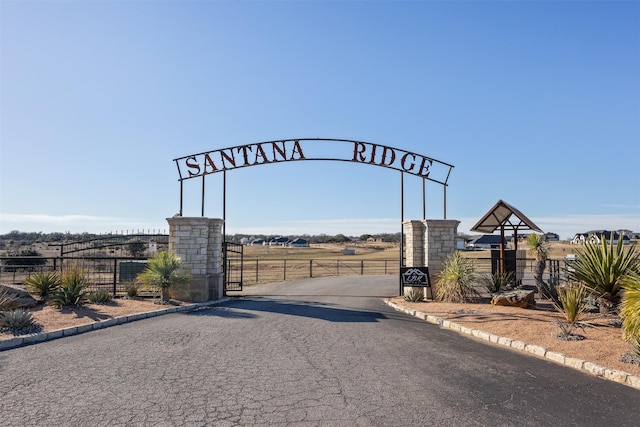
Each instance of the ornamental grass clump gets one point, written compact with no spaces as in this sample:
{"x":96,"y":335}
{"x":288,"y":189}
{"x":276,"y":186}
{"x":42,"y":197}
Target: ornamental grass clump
{"x":7,"y":300}
{"x":457,"y":279}
{"x":43,"y":284}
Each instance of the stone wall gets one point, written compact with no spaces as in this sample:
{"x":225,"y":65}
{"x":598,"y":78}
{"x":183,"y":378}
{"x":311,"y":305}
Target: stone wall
{"x":197,"y":241}
{"x":429,"y":243}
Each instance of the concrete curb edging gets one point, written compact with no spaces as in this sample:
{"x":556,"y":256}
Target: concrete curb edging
{"x":535,"y":350}
{"x":24,"y":340}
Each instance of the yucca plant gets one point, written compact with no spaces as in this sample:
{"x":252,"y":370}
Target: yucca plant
{"x":164,"y":273}
{"x":18,"y":322}
{"x":72,"y":291}
{"x":630,"y":312}
{"x":572,"y":305}
{"x":602,"y":267}
{"x":539,"y":246}
{"x":43,"y":284}
{"x":456,"y":280}
{"x":413,"y":295}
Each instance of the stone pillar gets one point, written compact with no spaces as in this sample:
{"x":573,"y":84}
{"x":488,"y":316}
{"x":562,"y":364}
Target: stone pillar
{"x":429,"y":243}
{"x":439,"y":242}
{"x":197,"y":241}
{"x":414,"y":243}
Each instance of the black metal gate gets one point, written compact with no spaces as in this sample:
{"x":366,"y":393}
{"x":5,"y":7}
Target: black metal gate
{"x":233,"y":258}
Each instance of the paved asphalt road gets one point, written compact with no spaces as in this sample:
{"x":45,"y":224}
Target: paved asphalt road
{"x":325,"y":352}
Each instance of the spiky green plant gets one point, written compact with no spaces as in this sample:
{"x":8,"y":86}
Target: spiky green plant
{"x":602,"y":268}
{"x":18,"y":322}
{"x":456,"y":280}
{"x":572,"y":306}
{"x":101,"y":296}
{"x":539,"y":246}
{"x":72,"y":291}
{"x":496,"y":281}
{"x":630,"y":312}
{"x":164,"y":273}
{"x":413,"y":295}
{"x":43,"y":284}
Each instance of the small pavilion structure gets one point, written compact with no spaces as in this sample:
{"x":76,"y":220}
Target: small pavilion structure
{"x":504,"y":216}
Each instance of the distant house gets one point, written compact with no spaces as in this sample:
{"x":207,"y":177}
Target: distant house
{"x":487,"y":241}
{"x":552,"y":237}
{"x":257,"y":242}
{"x":278,"y":241}
{"x":299,"y":243}
{"x":595,"y":236}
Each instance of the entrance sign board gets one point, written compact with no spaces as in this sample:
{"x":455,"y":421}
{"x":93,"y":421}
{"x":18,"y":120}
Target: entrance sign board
{"x":287,"y":150}
{"x":415,"y":277}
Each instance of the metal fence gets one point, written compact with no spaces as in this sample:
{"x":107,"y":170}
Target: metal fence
{"x":275,"y":270}
{"x":114,"y":274}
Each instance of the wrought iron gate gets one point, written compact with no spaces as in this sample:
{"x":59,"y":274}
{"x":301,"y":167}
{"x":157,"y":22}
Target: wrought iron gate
{"x":233,"y":258}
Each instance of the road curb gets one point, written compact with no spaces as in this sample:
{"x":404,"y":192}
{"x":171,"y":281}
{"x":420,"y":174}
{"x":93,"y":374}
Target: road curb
{"x":535,"y":350}
{"x":39,"y":337}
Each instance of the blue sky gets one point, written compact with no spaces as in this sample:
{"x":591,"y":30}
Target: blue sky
{"x":534,"y":103}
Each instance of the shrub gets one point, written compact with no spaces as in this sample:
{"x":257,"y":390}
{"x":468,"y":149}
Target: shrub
{"x":18,"y":322}
{"x":43,"y":284}
{"x":132,"y":290}
{"x":72,"y":290}
{"x":456,"y":280}
{"x":602,"y":268}
{"x":101,"y":296}
{"x":164,"y":272}
{"x":572,"y":306}
{"x":630,"y":312}
{"x":496,"y":281}
{"x":413,"y":295}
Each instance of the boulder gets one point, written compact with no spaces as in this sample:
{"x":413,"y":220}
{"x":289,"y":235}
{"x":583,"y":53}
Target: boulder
{"x":518,"y":298}
{"x":22,"y":298}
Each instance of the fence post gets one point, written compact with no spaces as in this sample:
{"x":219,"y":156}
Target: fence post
{"x":385,"y":266}
{"x":362,"y":267}
{"x":337,"y":267}
{"x":115,"y":275}
{"x":257,"y":268}
{"x":310,"y":268}
{"x":285,"y":271}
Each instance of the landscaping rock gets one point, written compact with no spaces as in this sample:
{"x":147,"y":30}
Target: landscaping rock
{"x":22,"y":298}
{"x":519,"y":298}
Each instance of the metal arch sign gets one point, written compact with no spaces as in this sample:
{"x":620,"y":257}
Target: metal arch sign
{"x":287,"y":150}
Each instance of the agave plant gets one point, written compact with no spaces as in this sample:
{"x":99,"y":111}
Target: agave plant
{"x":18,"y":322}
{"x":413,"y":295}
{"x":43,"y":284}
{"x":602,"y":267}
{"x":164,"y":272}
{"x":456,"y":280}
{"x":72,"y":291}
